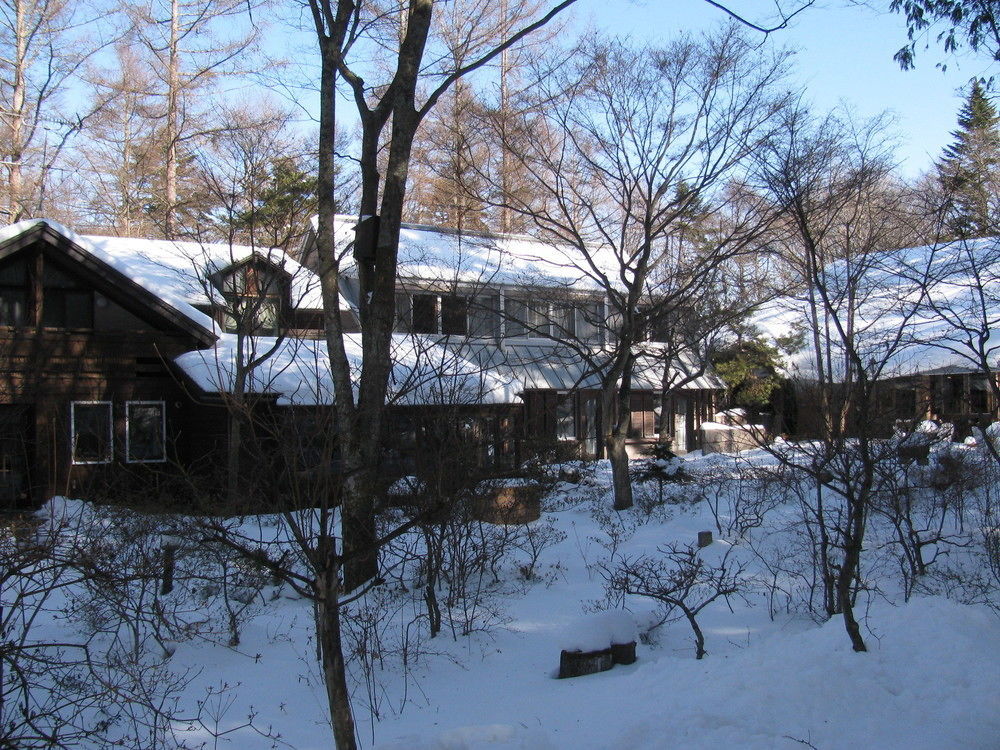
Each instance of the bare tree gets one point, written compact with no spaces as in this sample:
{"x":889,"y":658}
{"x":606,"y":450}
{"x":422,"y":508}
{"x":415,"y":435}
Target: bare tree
{"x":346,"y":33}
{"x":834,"y":181}
{"x":679,"y":578}
{"x":119,"y":156}
{"x":44,"y":45}
{"x":452,"y":145}
{"x":188,"y":46}
{"x":631,"y":144}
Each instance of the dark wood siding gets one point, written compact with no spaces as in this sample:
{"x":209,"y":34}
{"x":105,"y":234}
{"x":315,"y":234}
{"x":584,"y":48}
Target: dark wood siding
{"x":120,"y":353}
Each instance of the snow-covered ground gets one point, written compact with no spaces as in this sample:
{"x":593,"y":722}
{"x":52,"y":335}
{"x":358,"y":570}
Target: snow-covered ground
{"x":931,"y":678}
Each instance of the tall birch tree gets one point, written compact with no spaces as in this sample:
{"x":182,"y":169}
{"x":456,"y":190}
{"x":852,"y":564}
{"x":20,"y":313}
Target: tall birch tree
{"x":44,"y":45}
{"x":188,"y":48}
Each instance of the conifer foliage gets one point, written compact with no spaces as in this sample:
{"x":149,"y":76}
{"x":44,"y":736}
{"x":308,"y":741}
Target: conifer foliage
{"x":970,"y":168}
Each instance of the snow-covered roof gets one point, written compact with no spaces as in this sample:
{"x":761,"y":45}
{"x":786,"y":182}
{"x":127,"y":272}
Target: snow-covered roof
{"x":177,"y":272}
{"x":426,"y":370}
{"x":549,"y":366}
{"x":298,"y":371}
{"x":919,"y":310}
{"x":477,"y":258}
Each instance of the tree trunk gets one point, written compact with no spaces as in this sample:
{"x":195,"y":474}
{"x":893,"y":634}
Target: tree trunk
{"x":15,"y":179}
{"x":173,"y":93}
{"x":621,"y":481}
{"x":615,"y":416}
{"x":332,"y":660}
{"x":233,"y":456}
{"x":854,"y":538}
{"x":845,"y":582}
{"x":699,"y":637}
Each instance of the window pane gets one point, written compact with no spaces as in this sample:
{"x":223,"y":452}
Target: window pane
{"x":978,"y":394}
{"x":57,"y":279}
{"x":403,"y":313}
{"x":229,"y":323}
{"x":515,"y":311}
{"x":91,"y":433}
{"x":538,"y":318}
{"x":79,"y":310}
{"x":266,"y":280}
{"x":14,"y":273}
{"x":54,"y":308}
{"x":484,"y":319}
{"x":562,"y":320}
{"x":454,"y":316}
{"x":234,"y":282}
{"x":13,"y":303}
{"x":566,"y":417}
{"x":588,"y":321}
{"x":146,"y":441}
{"x":67,"y":308}
{"x":251,"y":315}
{"x":641,"y":424}
{"x":266,"y":322}
{"x":425,"y":313}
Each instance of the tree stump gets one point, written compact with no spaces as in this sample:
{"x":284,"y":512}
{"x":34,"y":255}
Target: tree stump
{"x":580,"y":663}
{"x":570,"y":476}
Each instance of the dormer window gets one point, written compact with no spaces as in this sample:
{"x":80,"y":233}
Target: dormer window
{"x":255,"y":297}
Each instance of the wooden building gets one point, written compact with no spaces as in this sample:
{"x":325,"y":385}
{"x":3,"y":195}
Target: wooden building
{"x":120,"y":358}
{"x":952,"y":393}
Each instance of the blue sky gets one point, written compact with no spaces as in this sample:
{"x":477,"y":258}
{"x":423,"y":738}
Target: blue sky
{"x":843,"y":57}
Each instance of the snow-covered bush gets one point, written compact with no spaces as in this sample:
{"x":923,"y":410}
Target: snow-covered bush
{"x":655,"y":478}
{"x":124,"y":557}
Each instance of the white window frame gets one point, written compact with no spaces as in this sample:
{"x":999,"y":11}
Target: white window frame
{"x":128,"y":432}
{"x":72,"y":432}
{"x":549,"y":330}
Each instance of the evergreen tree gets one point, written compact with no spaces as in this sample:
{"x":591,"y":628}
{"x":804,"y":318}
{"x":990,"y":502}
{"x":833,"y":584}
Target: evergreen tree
{"x":970,"y":167}
{"x":281,"y":206}
{"x":750,"y":369}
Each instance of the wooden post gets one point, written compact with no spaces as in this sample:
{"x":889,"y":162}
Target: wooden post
{"x":704,"y":538}
{"x":169,"y":562}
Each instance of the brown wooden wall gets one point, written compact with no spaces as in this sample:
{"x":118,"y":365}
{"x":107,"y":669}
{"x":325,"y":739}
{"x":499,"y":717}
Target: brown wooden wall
{"x":45,"y":371}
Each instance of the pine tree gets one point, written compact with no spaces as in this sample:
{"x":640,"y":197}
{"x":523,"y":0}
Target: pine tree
{"x":970,"y":168}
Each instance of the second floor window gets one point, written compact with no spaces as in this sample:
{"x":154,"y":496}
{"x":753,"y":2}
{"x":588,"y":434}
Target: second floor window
{"x":448,"y":314}
{"x":254,"y":297}
{"x":560,"y":319}
{"x":14,"y":293}
{"x":66,"y":303}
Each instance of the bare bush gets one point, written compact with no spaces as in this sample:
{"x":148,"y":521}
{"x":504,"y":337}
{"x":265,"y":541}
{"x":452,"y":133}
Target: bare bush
{"x":917,"y":500}
{"x":680,"y":579}
{"x":214,"y":590}
{"x":738,"y":500}
{"x":85,"y":691}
